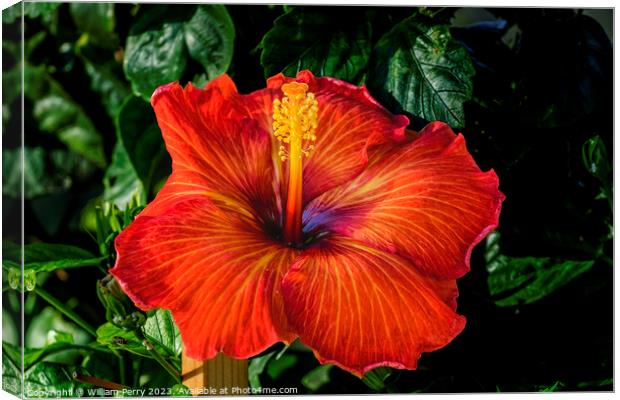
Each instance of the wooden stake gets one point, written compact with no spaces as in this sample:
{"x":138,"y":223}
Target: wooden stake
{"x":220,"y":376}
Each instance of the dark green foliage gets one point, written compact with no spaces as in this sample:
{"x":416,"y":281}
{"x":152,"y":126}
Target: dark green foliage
{"x":159,"y":43}
{"x":328,"y":42}
{"x":97,"y":21}
{"x":530,"y":89}
{"x":418,"y":68}
{"x":30,"y":10}
{"x":57,"y":113}
{"x":41,"y":257}
{"x":514,"y":281}
{"x":138,"y":151}
{"x":316,"y":378}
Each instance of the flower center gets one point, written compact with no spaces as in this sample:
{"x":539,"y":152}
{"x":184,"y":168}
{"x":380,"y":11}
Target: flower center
{"x":294,"y":126}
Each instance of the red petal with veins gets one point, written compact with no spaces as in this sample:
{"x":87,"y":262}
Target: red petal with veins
{"x":216,"y":271}
{"x":216,"y":151}
{"x":426,"y":200}
{"x":349,"y":122}
{"x":361,"y":308}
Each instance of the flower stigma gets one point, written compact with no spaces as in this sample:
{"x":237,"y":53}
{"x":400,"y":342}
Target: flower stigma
{"x":294,"y":126}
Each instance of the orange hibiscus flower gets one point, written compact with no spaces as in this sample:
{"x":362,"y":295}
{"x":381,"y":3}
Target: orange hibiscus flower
{"x":307,"y":210}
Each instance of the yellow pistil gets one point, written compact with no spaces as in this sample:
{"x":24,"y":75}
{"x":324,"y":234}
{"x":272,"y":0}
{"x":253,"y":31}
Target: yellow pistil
{"x":294,"y":124}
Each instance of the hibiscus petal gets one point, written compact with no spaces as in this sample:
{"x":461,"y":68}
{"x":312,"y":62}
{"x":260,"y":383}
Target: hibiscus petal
{"x":215,"y":270}
{"x":349,"y":122}
{"x":361,"y":308}
{"x":216,"y":151}
{"x":426,"y":200}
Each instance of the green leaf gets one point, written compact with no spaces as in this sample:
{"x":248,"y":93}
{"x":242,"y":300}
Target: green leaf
{"x":256,"y":367}
{"x":112,"y":90}
{"x":376,"y":378}
{"x":97,"y":20}
{"x":180,"y":390}
{"x":85,"y":140}
{"x":117,"y":338}
{"x":51,"y":319}
{"x":318,"y":377}
{"x":41,"y":257}
{"x":419,"y":68}
{"x":138,"y":151}
{"x":210,"y":36}
{"x":551,"y":388}
{"x":596,"y":161}
{"x":11,"y":371}
{"x":596,"y":385}
{"x":34,"y":356}
{"x":327,"y":42}
{"x":32,"y":9}
{"x":121,"y":182}
{"x":55,"y":336}
{"x":48,"y":379}
{"x":161,"y":40}
{"x":47,"y":178}
{"x":57,"y":113}
{"x":37,"y":181}
{"x":514,"y":281}
{"x":9,"y":326}
{"x":53,"y":112}
{"x":138,"y":131}
{"x":278,"y":366}
{"x":162,"y":331}
{"x":159,"y":329}
{"x":155,"y":51}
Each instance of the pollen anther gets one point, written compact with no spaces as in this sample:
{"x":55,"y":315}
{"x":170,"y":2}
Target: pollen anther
{"x":295,"y":120}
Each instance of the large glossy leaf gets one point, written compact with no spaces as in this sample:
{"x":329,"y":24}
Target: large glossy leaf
{"x":138,"y":131}
{"x":256,"y":367}
{"x":419,"y":68}
{"x":161,"y":329}
{"x":48,"y":379}
{"x":117,"y":338}
{"x":57,"y":113}
{"x":597,"y":163}
{"x":376,"y":378}
{"x":328,"y":42}
{"x":11,"y":372}
{"x":41,"y":378}
{"x":121,"y":182}
{"x":139,"y":150}
{"x":41,"y":257}
{"x":515,"y":281}
{"x":280,"y":364}
{"x":34,"y":356}
{"x":210,"y":36}
{"x":318,"y":377}
{"x":160,"y":42}
{"x":155,"y":51}
{"x":50,"y":319}
{"x":45,"y":172}
{"x":522,"y":280}
{"x":97,"y":21}
{"x":32,"y":9}
{"x":103,"y":81}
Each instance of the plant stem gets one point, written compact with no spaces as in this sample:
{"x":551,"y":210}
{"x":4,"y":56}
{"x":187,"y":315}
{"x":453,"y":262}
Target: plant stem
{"x":162,"y":361}
{"x":158,"y":357}
{"x":121,"y":367}
{"x":64,"y":310}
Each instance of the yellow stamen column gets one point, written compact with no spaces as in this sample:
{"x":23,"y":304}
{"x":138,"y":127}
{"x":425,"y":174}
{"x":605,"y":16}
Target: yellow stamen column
{"x":294,"y":123}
